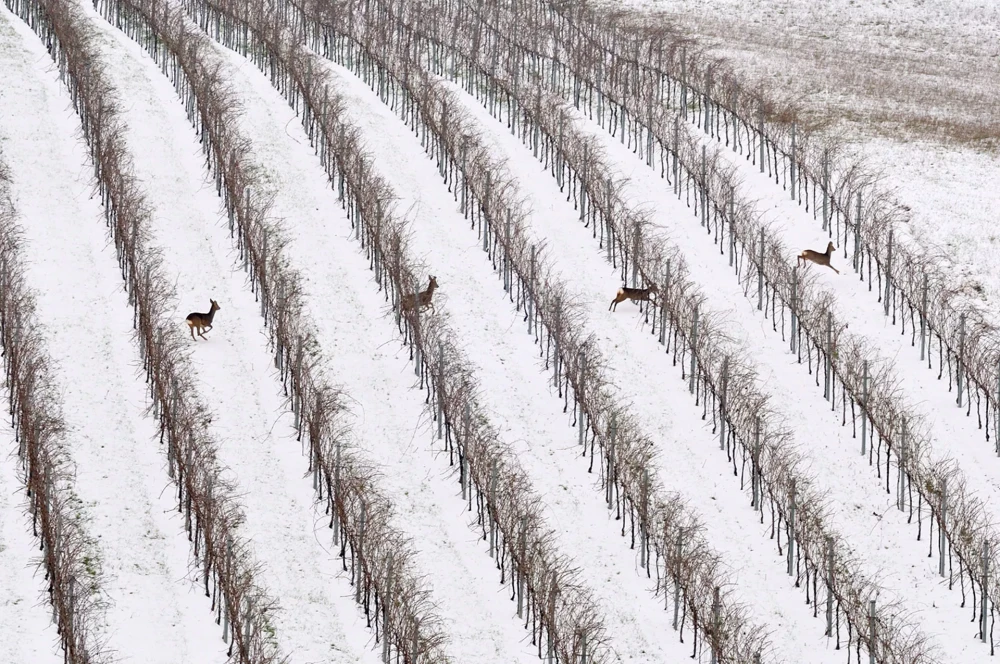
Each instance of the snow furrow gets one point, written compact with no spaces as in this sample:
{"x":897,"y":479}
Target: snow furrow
{"x":644,"y":373}
{"x":155,"y":612}
{"x":25,"y":614}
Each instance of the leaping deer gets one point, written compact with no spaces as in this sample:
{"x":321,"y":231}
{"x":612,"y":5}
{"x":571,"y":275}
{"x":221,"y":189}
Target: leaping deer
{"x":818,"y":258}
{"x":421,"y":300}
{"x":635,"y":294}
{"x":202,"y":322}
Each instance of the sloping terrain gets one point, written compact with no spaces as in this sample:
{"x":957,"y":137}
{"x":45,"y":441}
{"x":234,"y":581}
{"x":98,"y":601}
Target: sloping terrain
{"x":155,"y":607}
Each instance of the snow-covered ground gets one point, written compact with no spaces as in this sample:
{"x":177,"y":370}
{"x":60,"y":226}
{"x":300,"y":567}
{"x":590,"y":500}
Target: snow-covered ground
{"x":905,"y":66}
{"x":952,"y":431}
{"x":25,"y":615}
{"x":363,"y":352}
{"x":317,"y":619}
{"x":505,"y":362}
{"x":872,"y":528}
{"x":154,"y":612}
{"x":953,"y":205}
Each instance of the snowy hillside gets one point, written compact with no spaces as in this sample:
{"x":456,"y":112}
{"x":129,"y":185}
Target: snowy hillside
{"x":415,"y":430}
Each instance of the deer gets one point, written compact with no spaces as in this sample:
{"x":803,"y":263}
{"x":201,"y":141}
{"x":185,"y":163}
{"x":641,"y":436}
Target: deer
{"x":202,"y":322}
{"x":421,"y":300}
{"x":635,"y":294}
{"x":818,"y":258}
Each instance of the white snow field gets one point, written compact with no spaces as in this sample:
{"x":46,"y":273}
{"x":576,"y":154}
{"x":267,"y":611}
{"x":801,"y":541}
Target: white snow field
{"x":389,"y":421}
{"x":25,"y":614}
{"x":317,"y":619}
{"x":523,"y":404}
{"x":156,"y":612}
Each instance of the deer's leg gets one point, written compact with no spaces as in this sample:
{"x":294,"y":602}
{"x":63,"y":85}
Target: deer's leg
{"x":834,"y":269}
{"x":191,"y":328}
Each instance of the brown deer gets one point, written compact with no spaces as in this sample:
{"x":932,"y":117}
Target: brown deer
{"x":818,"y":258}
{"x":421,"y":300}
{"x":635,"y":294}
{"x":202,"y":322}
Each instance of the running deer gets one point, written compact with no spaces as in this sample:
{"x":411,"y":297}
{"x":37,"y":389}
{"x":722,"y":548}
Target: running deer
{"x":818,"y":258}
{"x":421,"y":300}
{"x":635,"y":294}
{"x":202,"y":322}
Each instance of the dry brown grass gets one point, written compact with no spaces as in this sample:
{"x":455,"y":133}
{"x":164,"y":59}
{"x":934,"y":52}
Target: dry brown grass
{"x":913,"y":83}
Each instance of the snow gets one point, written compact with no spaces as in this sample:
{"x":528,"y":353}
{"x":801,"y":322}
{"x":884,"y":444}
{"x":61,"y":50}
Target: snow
{"x":909,"y":84}
{"x":317,"y":618}
{"x":156,"y":614}
{"x":25,"y":614}
{"x":365,"y":352}
{"x":951,"y":209}
{"x":522,"y":403}
{"x":872,"y":528}
{"x":952,"y":432}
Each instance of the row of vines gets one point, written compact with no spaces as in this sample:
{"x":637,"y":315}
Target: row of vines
{"x":72,"y":567}
{"x":381,"y":559}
